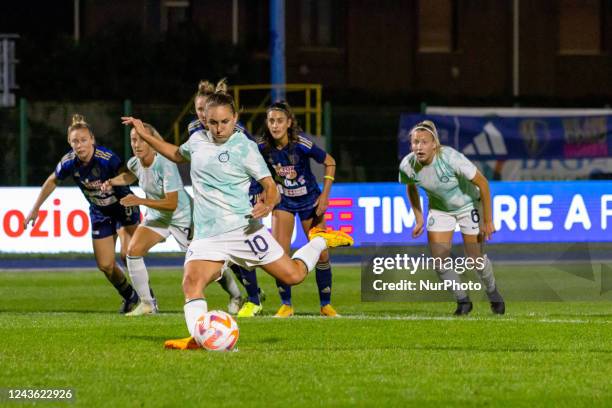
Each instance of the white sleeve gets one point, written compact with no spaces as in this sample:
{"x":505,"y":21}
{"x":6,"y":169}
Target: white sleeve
{"x":254,"y":163}
{"x":185,"y":149}
{"x":132,"y":165}
{"x":406,"y":173}
{"x":462,"y":165}
{"x":172,"y":178}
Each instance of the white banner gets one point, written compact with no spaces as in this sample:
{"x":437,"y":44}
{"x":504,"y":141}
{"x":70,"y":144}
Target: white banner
{"x":63,"y":223}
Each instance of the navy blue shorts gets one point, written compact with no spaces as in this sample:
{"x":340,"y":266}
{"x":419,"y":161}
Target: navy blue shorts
{"x":303,"y":214}
{"x":253,"y":198}
{"x":105,"y":224}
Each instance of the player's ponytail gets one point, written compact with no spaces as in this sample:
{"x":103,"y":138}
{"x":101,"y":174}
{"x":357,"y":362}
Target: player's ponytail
{"x":205,"y":88}
{"x":79,"y":122}
{"x":222,"y":86}
{"x":78,"y":119}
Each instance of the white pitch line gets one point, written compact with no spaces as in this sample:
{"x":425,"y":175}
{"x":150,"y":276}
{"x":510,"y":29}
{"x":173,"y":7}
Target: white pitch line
{"x":453,"y":319}
{"x":494,"y":319}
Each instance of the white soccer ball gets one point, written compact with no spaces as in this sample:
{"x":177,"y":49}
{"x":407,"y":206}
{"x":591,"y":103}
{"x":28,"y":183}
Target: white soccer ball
{"x":216,"y":331}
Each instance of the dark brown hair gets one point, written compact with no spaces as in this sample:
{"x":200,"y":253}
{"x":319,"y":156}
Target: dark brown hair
{"x":292,"y":132}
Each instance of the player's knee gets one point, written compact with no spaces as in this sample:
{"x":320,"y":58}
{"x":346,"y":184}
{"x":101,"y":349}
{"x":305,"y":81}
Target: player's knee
{"x":106,"y":266}
{"x":294,"y":277}
{"x":135,"y":249}
{"x":189,"y":283}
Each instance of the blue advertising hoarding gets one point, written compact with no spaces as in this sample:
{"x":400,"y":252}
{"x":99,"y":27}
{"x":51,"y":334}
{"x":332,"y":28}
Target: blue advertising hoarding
{"x":373,"y":213}
{"x":524,"y":212}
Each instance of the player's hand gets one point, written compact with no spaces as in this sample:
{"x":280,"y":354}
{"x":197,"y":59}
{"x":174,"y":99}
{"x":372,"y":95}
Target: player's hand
{"x":32,"y":216}
{"x":261,"y":210}
{"x":487,"y":230}
{"x":107,"y":186}
{"x":130,"y":200}
{"x":136,"y":123}
{"x":418,"y":229}
{"x":321,"y":204}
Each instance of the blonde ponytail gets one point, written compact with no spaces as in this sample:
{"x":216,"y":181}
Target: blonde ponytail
{"x":222,"y":86}
{"x":79,"y":122}
{"x":205,"y":88}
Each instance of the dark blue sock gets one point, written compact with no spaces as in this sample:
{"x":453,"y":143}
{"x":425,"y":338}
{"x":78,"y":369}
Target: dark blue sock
{"x":324,"y":282}
{"x":125,"y":289}
{"x":248,"y":278}
{"x":284,"y":291}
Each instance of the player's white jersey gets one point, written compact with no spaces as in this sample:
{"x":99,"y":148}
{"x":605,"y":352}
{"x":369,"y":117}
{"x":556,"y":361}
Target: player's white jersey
{"x":160,"y":178}
{"x":446,"y":180}
{"x":220,"y":174}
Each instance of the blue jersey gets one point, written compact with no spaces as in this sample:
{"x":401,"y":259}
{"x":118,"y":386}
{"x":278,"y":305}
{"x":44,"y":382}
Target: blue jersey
{"x":89,"y":177}
{"x":255,"y":189}
{"x":290,"y":167}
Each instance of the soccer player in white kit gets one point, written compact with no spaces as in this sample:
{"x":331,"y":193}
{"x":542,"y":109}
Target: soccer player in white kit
{"x":169,"y":209}
{"x":458,"y":194}
{"x":222,"y":163}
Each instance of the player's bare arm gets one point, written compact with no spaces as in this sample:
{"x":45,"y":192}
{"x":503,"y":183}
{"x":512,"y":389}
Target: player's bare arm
{"x":270,"y":198}
{"x":485,"y":195}
{"x":415,"y":203}
{"x":168,"y":150}
{"x":47,"y":188}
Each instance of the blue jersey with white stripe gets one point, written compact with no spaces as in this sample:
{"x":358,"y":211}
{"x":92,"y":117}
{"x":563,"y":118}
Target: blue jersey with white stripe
{"x":103,"y":165}
{"x":290,"y":167}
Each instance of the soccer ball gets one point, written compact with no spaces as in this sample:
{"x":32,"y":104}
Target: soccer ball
{"x":216,"y":331}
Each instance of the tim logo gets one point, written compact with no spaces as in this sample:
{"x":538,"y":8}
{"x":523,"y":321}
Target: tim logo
{"x":341,"y":218}
{"x":487,"y":143}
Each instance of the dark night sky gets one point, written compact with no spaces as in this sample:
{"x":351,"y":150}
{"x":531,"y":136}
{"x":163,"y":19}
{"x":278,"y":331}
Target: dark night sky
{"x":37,"y":17}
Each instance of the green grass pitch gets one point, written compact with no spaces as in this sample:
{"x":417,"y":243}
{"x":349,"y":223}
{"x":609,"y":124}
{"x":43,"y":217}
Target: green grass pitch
{"x":61,"y":330}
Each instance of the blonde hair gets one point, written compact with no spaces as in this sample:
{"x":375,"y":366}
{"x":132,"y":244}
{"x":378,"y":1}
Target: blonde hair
{"x":78,"y":122}
{"x":207,"y":88}
{"x":222,"y":86}
{"x":221,"y":97}
{"x":430,"y":127}
{"x":153,"y":131}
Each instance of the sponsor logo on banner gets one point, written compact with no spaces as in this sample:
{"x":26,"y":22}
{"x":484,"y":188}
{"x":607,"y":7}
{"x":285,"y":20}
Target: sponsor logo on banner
{"x":371,"y":212}
{"x":488,"y":142}
{"x":518,"y":137}
{"x":535,"y":134}
{"x":585,"y":137}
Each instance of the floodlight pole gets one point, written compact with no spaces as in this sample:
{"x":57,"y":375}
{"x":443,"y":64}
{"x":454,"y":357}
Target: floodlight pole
{"x":77,"y":20}
{"x":277,"y":49}
{"x":235,"y":15}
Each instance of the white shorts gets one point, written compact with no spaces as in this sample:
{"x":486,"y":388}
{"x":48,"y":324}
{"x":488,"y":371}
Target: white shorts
{"x":182,"y":235}
{"x":245,"y":248}
{"x":468,"y":221}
